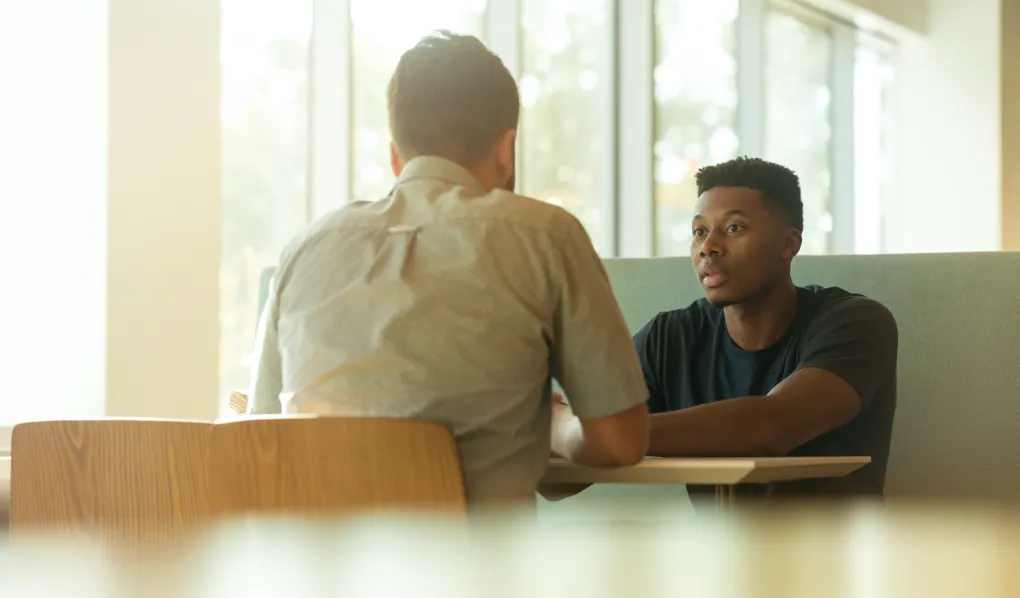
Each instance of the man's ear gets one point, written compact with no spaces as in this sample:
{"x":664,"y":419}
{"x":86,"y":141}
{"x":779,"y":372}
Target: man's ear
{"x":792,"y":244}
{"x":506,"y":161}
{"x":396,"y":163}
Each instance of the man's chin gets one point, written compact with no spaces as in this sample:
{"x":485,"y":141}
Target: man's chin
{"x":718,"y":300}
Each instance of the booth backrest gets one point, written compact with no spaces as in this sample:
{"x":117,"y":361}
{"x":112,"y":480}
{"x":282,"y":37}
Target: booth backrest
{"x":957,"y":429}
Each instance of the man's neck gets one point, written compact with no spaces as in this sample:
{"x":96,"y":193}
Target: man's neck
{"x":759,"y":322}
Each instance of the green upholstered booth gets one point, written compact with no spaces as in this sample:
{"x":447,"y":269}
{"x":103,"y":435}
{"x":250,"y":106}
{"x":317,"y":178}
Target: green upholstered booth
{"x":957,"y":430}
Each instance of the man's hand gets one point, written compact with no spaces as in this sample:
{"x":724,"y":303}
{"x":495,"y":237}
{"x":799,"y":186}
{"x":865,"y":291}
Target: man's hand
{"x":561,"y":413}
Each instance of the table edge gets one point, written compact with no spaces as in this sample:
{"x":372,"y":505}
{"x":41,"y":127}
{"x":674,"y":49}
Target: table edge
{"x":720,"y":471}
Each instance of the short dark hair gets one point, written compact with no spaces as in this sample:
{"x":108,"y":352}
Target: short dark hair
{"x":451,"y":97}
{"x":776,"y":183}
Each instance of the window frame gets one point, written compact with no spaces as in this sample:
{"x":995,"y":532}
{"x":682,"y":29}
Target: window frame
{"x":889,"y":49}
{"x":635,"y":127}
{"x":841,"y":114}
{"x":509,"y":46}
{"x":331,"y":111}
{"x":631,"y":56}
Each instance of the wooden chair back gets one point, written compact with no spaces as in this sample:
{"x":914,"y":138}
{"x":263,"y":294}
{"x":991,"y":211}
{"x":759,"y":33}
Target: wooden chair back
{"x":328,"y":465}
{"x":132,"y":478}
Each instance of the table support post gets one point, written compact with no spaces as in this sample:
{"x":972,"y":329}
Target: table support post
{"x":724,"y":495}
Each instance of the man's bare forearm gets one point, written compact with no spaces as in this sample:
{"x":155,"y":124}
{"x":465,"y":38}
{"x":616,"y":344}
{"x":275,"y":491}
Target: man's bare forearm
{"x":742,"y":427}
{"x":613,"y":441}
{"x":568,"y":440}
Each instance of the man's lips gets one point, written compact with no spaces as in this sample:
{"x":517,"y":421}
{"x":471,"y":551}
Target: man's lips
{"x":712,"y":277}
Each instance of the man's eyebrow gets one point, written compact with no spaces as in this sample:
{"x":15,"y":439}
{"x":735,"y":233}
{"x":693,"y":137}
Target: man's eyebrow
{"x":729,"y":213}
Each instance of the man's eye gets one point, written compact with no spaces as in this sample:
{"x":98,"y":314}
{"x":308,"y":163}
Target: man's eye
{"x":699,"y":232}
{"x":734,"y":228}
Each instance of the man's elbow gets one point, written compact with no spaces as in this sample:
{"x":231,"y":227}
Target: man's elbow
{"x":633,"y":454}
{"x":625,"y":437}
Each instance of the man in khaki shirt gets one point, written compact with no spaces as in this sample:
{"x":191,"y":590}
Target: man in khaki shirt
{"x":454,"y":299}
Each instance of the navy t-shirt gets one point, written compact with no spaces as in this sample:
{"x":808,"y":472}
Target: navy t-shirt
{"x":689,"y":359}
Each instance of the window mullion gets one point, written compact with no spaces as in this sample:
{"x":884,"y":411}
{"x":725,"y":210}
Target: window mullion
{"x":750,"y":77}
{"x":635,"y":109}
{"x":503,"y":32}
{"x":330,"y":108}
{"x":841,"y":142}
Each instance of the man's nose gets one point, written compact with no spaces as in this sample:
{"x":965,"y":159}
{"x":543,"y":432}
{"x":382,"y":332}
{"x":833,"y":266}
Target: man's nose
{"x":711,"y":245}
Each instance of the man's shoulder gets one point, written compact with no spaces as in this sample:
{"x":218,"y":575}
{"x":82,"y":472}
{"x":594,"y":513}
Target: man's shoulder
{"x":321,"y":239}
{"x":543,"y":220}
{"x":318,"y":228}
{"x":831,"y":304}
{"x":452,"y":203}
{"x":522,"y":210}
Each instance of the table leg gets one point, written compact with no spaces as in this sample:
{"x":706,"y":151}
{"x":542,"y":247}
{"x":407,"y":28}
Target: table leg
{"x":724,"y":495}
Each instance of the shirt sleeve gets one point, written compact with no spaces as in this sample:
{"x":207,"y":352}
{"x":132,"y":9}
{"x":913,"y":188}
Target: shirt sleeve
{"x":857,"y":340}
{"x":592,"y":354}
{"x":646,"y":341}
{"x":267,"y":376}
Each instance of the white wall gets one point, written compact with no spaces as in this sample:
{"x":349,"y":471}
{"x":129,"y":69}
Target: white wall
{"x":950,"y":142}
{"x":53,"y":65}
{"x":911,"y":15}
{"x":950,"y":132}
{"x":109,"y":208}
{"x":164,"y":216}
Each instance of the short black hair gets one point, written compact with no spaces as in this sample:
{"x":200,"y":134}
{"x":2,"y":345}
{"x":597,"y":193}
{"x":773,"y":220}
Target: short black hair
{"x":776,"y":183}
{"x":451,"y":97}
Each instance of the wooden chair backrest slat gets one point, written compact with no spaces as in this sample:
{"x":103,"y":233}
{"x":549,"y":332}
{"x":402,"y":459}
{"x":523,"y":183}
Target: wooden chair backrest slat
{"x":321,"y":464}
{"x":122,"y":476}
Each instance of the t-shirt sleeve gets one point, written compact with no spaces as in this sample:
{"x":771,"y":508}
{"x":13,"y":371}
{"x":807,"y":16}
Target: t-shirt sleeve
{"x":592,"y":355}
{"x":647,"y":341}
{"x":857,"y":340}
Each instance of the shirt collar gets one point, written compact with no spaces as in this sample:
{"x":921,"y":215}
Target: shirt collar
{"x":435,"y":168}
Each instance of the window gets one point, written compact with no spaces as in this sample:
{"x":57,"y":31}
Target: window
{"x":379,"y":39}
{"x":798,"y":59}
{"x":264,"y":58}
{"x":695,"y":107}
{"x":798,"y":131}
{"x":566,"y":132}
{"x":873,"y":84}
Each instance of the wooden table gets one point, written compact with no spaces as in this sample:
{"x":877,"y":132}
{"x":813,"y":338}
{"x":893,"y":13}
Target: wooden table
{"x":724,"y":474}
{"x":860,"y":552}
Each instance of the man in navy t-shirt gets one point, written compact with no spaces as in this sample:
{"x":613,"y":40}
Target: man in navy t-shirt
{"x":759,"y":366}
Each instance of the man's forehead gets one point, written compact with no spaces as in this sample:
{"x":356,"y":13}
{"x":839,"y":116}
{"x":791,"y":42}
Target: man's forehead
{"x":722,"y":200}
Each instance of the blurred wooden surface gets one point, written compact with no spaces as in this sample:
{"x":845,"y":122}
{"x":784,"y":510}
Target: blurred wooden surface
{"x":865,"y":552}
{"x":330,"y":464}
{"x":5,"y":492}
{"x":123,"y":476}
{"x":266,"y":479}
{"x":706,"y":471}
